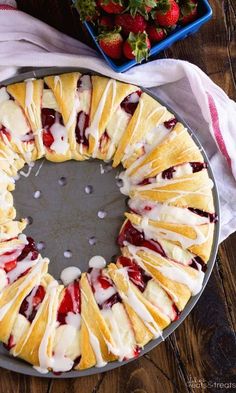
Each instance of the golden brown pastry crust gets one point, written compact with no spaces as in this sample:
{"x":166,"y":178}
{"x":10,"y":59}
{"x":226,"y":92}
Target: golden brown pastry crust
{"x":193,"y":190}
{"x":92,"y":319}
{"x":10,"y":161}
{"x":13,"y":292}
{"x":115,"y":92}
{"x":9,"y":213}
{"x":10,"y":229}
{"x":32,"y":109}
{"x":64,"y":89}
{"x":195,"y":233}
{"x":148,"y":115}
{"x":178,"y":148}
{"x":32,"y":337}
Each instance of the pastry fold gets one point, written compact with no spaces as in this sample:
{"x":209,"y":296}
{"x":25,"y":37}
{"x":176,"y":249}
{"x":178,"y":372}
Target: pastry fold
{"x":13,"y":295}
{"x":176,"y":149}
{"x":107,"y":95}
{"x":147,"y":321}
{"x":10,"y":161}
{"x":193,"y":190}
{"x":28,"y":94}
{"x":11,"y":229}
{"x":95,"y":337}
{"x":148,"y":115}
{"x":7,"y":210}
{"x":196,"y":238}
{"x":40,"y":334}
{"x":160,"y":269}
{"x":6,"y":181}
{"x":64,"y":88}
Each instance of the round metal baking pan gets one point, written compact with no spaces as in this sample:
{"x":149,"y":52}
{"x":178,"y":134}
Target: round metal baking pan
{"x":65,"y":221}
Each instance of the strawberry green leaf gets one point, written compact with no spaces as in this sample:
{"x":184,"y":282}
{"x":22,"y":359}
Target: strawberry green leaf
{"x":86,"y":8}
{"x":138,"y":44}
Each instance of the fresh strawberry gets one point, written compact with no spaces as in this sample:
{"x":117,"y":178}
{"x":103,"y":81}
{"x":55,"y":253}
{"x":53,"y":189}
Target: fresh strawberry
{"x":130,"y":24}
{"x":142,"y":7}
{"x":106,"y":22}
{"x":155,"y":33}
{"x":111,"y":6}
{"x":188,"y":11}
{"x":111,"y":43}
{"x":87,"y":9}
{"x":137,"y":46}
{"x":167,"y":13}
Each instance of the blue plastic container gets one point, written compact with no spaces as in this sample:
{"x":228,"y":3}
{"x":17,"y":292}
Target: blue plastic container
{"x":181,"y":32}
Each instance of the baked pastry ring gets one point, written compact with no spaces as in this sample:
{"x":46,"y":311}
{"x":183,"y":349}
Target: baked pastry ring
{"x":111,"y":312}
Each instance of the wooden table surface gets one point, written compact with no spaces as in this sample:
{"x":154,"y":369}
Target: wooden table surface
{"x":201,"y":355}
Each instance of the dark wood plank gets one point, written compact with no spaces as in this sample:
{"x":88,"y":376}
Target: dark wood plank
{"x":12,"y":382}
{"x":203,"y":348}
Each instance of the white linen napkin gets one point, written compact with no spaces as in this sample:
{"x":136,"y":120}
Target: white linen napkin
{"x":26,"y":41}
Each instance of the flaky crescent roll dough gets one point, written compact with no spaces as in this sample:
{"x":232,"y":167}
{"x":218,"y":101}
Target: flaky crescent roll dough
{"x":13,"y":295}
{"x":92,"y":320}
{"x":64,"y":89}
{"x":193,"y":190}
{"x":28,"y":94}
{"x":201,"y":235}
{"x":107,"y":94}
{"x":177,"y":148}
{"x":148,"y":115}
{"x":39,"y":337}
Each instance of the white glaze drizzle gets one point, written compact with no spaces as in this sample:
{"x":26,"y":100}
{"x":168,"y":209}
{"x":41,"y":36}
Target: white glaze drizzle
{"x":46,"y":361}
{"x":163,"y":212}
{"x":21,"y":267}
{"x":57,"y":81}
{"x":97,"y":262}
{"x":170,"y":269}
{"x":154,"y":233}
{"x":34,"y":272}
{"x":96,"y":346}
{"x":73,"y":320}
{"x":93,"y":129}
{"x":139,"y":307}
{"x":59,"y":132}
{"x":69,"y":274}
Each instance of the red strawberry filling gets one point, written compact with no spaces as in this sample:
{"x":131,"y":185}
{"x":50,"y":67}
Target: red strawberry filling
{"x":10,"y":343}
{"x":30,"y":304}
{"x":211,"y":216}
{"x":137,"y":351}
{"x":10,"y":265}
{"x":81,"y":125}
{"x":130,"y":103}
{"x":170,"y":123}
{"x":13,"y":259}
{"x":198,"y":166}
{"x":111,"y":301}
{"x":4,"y":132}
{"x":30,"y":247}
{"x":198,"y":261}
{"x":176,"y":312}
{"x":104,"y":141}
{"x":49,"y":117}
{"x":133,"y":236}
{"x":136,"y":274}
{"x":70,"y":302}
{"x":104,"y":281}
{"x":168,"y":173}
{"x":103,"y":289}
